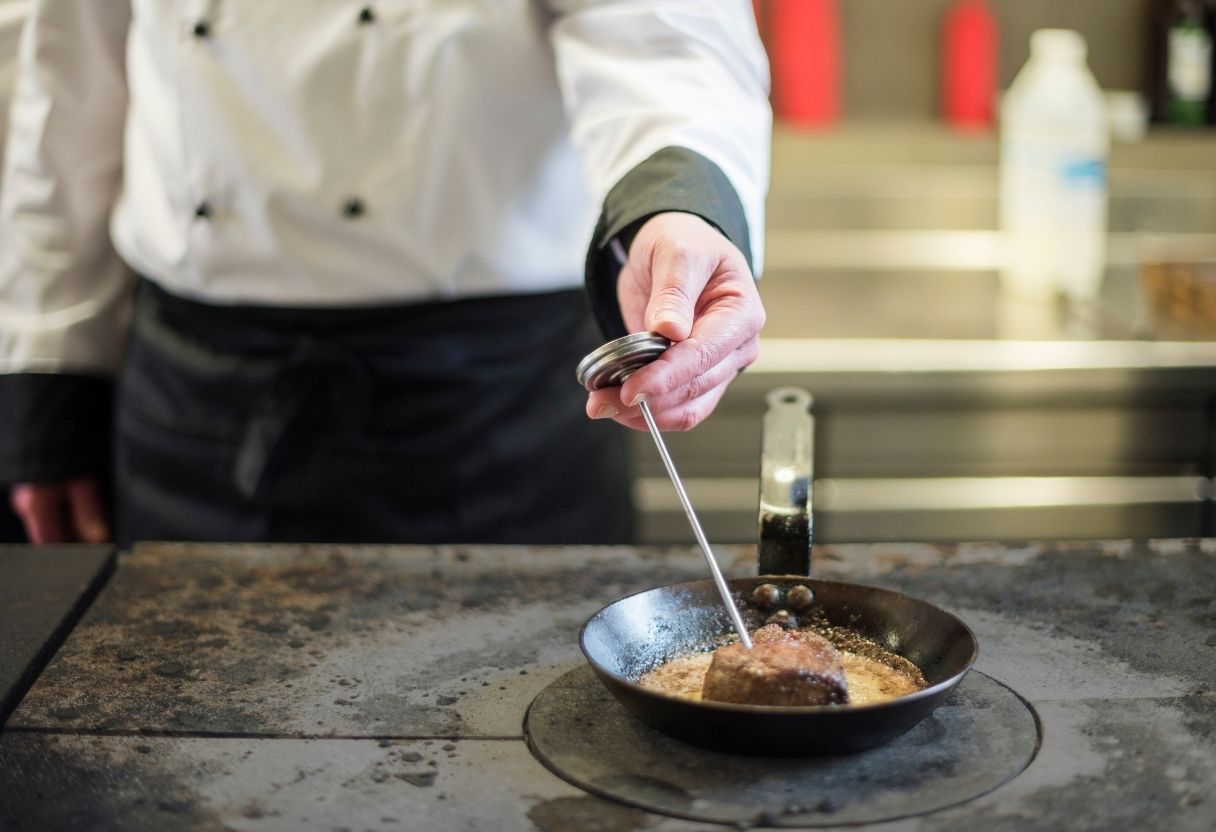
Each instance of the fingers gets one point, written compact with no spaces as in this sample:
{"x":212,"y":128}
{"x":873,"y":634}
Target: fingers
{"x":61,"y":512}
{"x":730,"y":320}
{"x":87,"y":511}
{"x":605,"y":404}
{"x":690,"y":368}
{"x":680,"y":409}
{"x":684,"y":416}
{"x":41,"y":509}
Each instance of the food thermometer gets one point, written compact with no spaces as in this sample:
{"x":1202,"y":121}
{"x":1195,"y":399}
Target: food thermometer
{"x":609,"y":366}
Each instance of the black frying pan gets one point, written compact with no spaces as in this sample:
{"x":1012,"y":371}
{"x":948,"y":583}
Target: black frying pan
{"x":635,"y":634}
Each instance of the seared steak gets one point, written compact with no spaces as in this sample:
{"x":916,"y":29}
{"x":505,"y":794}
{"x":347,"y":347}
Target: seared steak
{"x":782,"y":668}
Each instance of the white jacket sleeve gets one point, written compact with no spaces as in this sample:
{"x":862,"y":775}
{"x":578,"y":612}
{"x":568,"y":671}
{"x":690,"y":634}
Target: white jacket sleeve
{"x":638,"y":76}
{"x":63,"y":290}
{"x":12,"y":15}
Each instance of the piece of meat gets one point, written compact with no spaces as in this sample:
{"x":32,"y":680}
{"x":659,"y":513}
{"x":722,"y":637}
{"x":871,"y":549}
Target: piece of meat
{"x":782,"y":668}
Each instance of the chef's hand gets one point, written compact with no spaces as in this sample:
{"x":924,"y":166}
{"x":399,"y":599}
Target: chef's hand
{"x":686,"y":281}
{"x":61,"y":512}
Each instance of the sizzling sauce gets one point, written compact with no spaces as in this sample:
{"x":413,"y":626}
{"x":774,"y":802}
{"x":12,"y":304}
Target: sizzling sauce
{"x":872,"y":678}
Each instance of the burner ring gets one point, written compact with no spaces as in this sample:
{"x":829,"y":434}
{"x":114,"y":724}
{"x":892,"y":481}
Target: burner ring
{"x":980,"y":738}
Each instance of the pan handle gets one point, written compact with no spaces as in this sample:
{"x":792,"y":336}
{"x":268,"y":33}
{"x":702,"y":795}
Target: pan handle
{"x":786,"y":467}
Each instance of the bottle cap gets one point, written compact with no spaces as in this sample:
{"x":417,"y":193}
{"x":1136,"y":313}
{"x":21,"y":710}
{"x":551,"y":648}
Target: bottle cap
{"x":1058,"y":44}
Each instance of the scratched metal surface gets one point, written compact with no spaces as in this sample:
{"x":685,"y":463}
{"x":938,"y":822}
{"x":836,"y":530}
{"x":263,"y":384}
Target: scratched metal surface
{"x":277,"y":678}
{"x":331,"y":641}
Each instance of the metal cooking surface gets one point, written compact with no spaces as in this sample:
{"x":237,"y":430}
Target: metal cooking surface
{"x":1111,"y":642}
{"x":980,"y":738}
{"x":328,"y":641}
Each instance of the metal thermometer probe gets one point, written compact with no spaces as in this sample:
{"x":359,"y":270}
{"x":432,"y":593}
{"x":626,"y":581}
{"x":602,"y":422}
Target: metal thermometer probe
{"x":609,"y":366}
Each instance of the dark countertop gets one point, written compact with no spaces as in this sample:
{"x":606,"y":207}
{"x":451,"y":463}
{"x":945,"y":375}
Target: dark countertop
{"x":266,"y":688}
{"x":43,"y":593}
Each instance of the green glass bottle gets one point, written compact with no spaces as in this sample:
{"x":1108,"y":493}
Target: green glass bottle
{"x":1183,"y":35}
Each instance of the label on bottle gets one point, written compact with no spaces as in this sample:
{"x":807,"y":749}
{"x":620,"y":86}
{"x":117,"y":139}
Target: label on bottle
{"x":1080,"y":222}
{"x":1190,"y":63}
{"x":1080,"y":172}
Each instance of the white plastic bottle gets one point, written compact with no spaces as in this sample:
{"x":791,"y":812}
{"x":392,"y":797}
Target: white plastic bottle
{"x":1054,"y":147}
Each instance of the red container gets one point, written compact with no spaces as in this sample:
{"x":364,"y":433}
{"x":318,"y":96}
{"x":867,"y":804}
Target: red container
{"x":969,"y":65}
{"x":804,"y":51}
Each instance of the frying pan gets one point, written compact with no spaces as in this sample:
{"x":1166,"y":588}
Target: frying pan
{"x":636,"y":634}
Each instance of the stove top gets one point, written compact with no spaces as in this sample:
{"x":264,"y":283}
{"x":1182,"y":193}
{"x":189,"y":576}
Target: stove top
{"x":980,"y":738}
{"x":289,"y":687}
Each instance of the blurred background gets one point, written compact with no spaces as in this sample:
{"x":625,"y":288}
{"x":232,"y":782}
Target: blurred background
{"x":890,"y":52}
{"x":949,"y":405}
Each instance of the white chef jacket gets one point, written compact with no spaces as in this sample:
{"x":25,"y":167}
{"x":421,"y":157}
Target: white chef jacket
{"x":12,"y":14}
{"x":325,"y":152}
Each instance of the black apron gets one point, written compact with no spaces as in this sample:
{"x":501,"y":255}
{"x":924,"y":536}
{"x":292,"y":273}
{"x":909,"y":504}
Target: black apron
{"x":453,"y":422}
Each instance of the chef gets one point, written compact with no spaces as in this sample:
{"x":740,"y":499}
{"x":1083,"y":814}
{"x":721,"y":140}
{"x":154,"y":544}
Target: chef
{"x":319,"y":270}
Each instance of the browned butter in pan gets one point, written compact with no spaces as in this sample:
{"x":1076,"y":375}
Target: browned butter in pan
{"x":872,"y":673}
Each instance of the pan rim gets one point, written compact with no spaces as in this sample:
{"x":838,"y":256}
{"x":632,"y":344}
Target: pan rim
{"x":783,"y":710}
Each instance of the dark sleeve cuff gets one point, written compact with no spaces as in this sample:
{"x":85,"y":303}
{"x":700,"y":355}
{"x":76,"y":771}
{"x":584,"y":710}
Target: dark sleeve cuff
{"x":673,"y":179}
{"x":54,"y":426}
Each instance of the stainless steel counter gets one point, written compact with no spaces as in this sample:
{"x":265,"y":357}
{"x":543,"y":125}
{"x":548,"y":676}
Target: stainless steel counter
{"x":289,"y":688}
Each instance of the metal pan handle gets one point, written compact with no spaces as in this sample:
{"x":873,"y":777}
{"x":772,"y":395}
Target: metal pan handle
{"x":786,"y":468}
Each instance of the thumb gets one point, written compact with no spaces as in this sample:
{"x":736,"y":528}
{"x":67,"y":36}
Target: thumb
{"x":673,"y":297}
